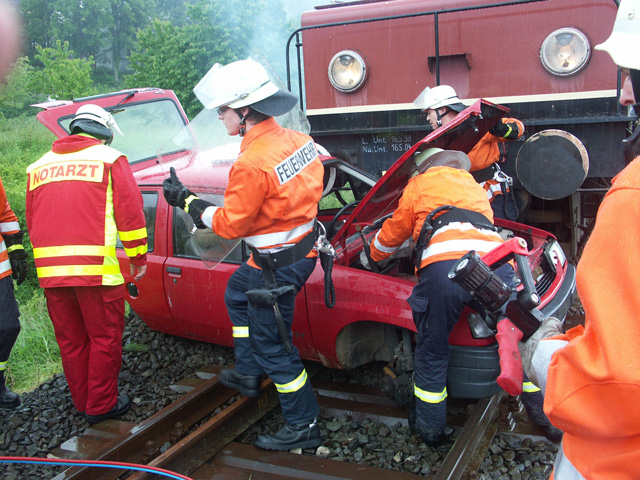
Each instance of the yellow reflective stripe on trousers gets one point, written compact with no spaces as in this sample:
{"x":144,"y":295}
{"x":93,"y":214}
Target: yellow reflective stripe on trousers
{"x":430,"y":397}
{"x":74,"y":251}
{"x":15,"y":247}
{"x":240,"y":332}
{"x":133,"y":234}
{"x":529,"y":387}
{"x":3,"y":365}
{"x":78,"y":270}
{"x":294,"y":386}
{"x":139,"y":250}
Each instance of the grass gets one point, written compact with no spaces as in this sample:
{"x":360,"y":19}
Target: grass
{"x":35,"y":357}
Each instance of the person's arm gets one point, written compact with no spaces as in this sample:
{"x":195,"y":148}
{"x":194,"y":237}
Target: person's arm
{"x":594,"y":381}
{"x":129,"y":216}
{"x":396,"y":229}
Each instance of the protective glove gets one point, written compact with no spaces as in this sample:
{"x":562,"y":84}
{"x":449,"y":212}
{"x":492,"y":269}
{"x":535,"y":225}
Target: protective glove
{"x":364,"y":260}
{"x":177,"y":195}
{"x":17,"y":256}
{"x":551,"y":327}
{"x":500,"y":129}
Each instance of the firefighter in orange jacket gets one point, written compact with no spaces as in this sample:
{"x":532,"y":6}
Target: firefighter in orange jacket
{"x":591,"y":374}
{"x":271,"y":202}
{"x":464,"y":223}
{"x":442,"y":104}
{"x":80,"y":197}
{"x":13,"y":263}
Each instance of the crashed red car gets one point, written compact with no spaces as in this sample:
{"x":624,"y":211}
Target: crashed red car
{"x":183,"y":294}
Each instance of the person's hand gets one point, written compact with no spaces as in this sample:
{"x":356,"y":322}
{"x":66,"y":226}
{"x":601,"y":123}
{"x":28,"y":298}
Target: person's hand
{"x":175,"y":193}
{"x":17,"y":256}
{"x":500,"y":130}
{"x":137,"y":272}
{"x":551,"y":327}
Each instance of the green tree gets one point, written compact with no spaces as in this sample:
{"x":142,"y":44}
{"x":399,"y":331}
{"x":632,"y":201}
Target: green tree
{"x":37,"y":17}
{"x":63,"y":77}
{"x":15,"y":94}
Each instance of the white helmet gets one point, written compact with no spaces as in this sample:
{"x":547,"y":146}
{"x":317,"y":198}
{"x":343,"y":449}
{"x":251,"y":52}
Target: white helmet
{"x":95,"y":121}
{"x":437,"y":157}
{"x":440,"y":96}
{"x":623,"y":44}
{"x":241,"y":84}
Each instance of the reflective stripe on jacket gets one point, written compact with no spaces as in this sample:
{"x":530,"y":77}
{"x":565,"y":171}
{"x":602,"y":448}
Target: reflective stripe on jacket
{"x":8,"y":225}
{"x":436,"y":187}
{"x":593,"y":382}
{"x":80,"y":196}
{"x":487,"y":150}
{"x":274,"y":188}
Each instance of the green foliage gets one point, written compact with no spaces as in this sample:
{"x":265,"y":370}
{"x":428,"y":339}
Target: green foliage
{"x":23,"y":140}
{"x":63,"y":76}
{"x":15,"y":94}
{"x":35,"y":357}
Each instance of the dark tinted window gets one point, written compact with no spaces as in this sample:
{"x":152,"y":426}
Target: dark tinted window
{"x":150,"y":202}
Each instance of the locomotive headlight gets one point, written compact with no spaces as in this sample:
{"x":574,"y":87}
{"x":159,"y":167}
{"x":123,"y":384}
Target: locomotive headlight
{"x":565,"y":51}
{"x":347,"y":71}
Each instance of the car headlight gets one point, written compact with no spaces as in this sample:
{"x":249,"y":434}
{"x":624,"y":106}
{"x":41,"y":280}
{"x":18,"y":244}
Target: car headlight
{"x":554,"y":254}
{"x":565,"y":51}
{"x":347,"y":71}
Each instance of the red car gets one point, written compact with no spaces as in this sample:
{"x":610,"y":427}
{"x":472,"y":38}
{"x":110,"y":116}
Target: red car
{"x":182,"y":294}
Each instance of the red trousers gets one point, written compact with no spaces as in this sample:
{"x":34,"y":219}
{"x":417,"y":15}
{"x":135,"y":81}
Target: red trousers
{"x":88,"y":323}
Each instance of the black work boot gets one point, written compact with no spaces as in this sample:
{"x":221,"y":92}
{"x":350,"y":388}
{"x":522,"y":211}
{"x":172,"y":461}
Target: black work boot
{"x":534,"y":405}
{"x":248,"y":385}
{"x":122,"y":406}
{"x":433,"y":439}
{"x":292,"y":436}
{"x":8,"y":399}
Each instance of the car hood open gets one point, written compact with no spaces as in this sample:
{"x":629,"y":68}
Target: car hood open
{"x":461,"y":134}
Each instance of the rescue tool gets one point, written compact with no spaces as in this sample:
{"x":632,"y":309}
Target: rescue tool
{"x":511,"y":311}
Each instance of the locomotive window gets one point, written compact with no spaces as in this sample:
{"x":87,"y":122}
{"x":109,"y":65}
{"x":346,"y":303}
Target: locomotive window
{"x":150,"y":202}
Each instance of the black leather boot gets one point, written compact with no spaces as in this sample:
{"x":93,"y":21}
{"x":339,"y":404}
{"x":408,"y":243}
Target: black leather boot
{"x":433,"y":439}
{"x":248,"y":385}
{"x":8,"y":399}
{"x":292,"y":436}
{"x":534,"y":405}
{"x":122,"y":406}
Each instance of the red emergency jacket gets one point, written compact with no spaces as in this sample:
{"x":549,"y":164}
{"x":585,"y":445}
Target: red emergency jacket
{"x":593,"y":383}
{"x":434,"y":188}
{"x":274,"y":188}
{"x":80,"y":196}
{"x":8,"y":225}
{"x":491,"y":149}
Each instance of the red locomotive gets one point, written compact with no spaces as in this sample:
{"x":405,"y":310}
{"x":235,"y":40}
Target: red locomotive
{"x":364,"y":62}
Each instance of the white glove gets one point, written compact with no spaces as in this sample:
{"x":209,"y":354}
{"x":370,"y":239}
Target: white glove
{"x":551,"y":327}
{"x":364,"y":261}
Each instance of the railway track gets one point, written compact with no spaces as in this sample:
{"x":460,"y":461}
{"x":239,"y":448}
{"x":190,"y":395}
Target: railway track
{"x":197,"y":436}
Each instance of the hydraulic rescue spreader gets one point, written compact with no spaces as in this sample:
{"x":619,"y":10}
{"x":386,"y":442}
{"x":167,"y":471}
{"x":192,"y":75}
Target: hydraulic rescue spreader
{"x":511,"y":311}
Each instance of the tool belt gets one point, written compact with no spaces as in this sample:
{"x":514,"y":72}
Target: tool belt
{"x":452,"y":214}
{"x":287,"y":257}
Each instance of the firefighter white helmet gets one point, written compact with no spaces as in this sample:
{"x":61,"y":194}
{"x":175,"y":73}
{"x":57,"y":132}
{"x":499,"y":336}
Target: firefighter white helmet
{"x":440,"y":96}
{"x":622,"y":45}
{"x":241,"y":84}
{"x":95,"y":121}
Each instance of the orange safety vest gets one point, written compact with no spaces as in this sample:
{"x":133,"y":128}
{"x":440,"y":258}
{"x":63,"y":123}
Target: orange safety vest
{"x":8,"y":225}
{"x":274,"y":188}
{"x":76,"y":210}
{"x":436,"y":187}
{"x":593,"y":383}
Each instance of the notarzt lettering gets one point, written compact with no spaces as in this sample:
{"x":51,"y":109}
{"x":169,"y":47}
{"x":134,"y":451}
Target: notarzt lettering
{"x":86,"y":171}
{"x":292,"y":166}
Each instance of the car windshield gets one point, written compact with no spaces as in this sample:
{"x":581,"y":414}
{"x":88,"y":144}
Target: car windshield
{"x":145,"y":126}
